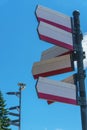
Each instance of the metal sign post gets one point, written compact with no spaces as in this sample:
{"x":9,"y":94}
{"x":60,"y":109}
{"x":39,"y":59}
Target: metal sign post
{"x":80,"y":69}
{"x":63,"y":31}
{"x":17,"y":122}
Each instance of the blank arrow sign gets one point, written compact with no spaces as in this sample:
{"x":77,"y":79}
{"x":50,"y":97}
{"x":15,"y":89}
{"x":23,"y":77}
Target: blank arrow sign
{"x":13,"y":93}
{"x":13,"y":123}
{"x":15,"y":120}
{"x":13,"y":114}
{"x":55,"y":35}
{"x":70,"y":80}
{"x":53,"y":66}
{"x":54,"y":18}
{"x":15,"y":107}
{"x":56,"y":91}
{"x":54,"y":52}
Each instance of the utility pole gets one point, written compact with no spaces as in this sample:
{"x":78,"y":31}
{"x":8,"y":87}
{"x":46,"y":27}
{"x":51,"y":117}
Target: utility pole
{"x":80,"y":69}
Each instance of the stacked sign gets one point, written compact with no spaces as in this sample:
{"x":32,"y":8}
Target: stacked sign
{"x":55,"y":28}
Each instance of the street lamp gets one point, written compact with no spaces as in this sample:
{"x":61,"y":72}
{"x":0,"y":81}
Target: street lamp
{"x":17,"y":122}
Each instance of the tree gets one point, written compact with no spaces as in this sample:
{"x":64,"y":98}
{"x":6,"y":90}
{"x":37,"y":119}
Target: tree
{"x":4,"y":120}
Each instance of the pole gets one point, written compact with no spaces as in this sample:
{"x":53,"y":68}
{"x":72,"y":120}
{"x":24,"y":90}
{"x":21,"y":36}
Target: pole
{"x":20,"y":109}
{"x":80,"y":69}
{"x":21,"y":87}
{"x":18,"y":94}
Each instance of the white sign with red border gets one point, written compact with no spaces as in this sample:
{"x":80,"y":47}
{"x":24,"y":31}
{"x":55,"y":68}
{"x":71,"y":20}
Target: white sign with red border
{"x":54,"y":18}
{"x":56,"y":91}
{"x":56,"y":36}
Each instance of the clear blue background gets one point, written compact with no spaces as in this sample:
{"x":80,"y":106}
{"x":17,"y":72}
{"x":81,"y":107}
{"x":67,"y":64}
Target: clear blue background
{"x":20,"y":47}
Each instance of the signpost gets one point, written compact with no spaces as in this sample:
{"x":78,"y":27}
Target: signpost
{"x":16,"y":122}
{"x":63,"y":31}
{"x":55,"y":35}
{"x":56,"y":91}
{"x":53,"y":66}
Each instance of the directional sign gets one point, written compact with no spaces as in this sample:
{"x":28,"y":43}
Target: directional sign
{"x":70,"y":79}
{"x":53,"y":66}
{"x":54,"y":18}
{"x":13,"y":114}
{"x":13,"y":93}
{"x":56,"y":91}
{"x":17,"y":120}
{"x":54,"y":52}
{"x":55,"y":35}
{"x":16,"y":107}
{"x":14,"y":123}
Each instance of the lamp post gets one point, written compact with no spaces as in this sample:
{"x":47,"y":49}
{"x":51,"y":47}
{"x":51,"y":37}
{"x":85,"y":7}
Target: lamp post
{"x":17,"y":122}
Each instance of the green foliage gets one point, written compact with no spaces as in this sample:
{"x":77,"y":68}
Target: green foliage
{"x":4,"y":120}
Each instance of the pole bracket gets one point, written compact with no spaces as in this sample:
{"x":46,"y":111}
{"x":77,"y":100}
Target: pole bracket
{"x":75,"y":55}
{"x":81,"y":101}
{"x":82,"y":75}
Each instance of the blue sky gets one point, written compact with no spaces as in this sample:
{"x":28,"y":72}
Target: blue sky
{"x":20,"y":47}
